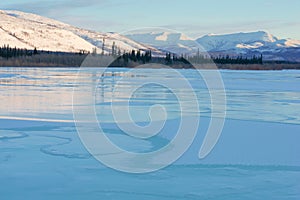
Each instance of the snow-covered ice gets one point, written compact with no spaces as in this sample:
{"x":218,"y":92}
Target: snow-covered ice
{"x":42,"y":157}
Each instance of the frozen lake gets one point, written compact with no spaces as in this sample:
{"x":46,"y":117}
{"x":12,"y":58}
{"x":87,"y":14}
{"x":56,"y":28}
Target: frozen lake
{"x":42,"y":157}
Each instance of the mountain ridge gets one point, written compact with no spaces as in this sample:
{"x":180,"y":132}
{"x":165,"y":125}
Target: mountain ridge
{"x":27,"y":30}
{"x":245,"y":43}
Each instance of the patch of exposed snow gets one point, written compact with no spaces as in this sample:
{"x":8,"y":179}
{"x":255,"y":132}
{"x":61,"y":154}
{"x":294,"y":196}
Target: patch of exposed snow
{"x":292,"y":43}
{"x":250,"y":46}
{"x":162,"y":37}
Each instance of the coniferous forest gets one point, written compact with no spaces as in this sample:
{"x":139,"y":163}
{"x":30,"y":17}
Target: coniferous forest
{"x":13,"y":56}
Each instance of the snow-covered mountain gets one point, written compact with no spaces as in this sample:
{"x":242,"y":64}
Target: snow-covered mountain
{"x":26,"y":30}
{"x":260,"y":40}
{"x":166,"y":41}
{"x":251,"y":43}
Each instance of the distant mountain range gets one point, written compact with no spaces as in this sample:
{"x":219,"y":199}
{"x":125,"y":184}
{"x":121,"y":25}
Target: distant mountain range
{"x":248,"y":44}
{"x":26,"y":30}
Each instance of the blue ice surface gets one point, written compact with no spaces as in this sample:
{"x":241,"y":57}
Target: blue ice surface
{"x":256,"y":157}
{"x":51,"y":163}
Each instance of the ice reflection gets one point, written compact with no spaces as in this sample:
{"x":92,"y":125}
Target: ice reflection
{"x":46,"y":93}
{"x":36,"y":93}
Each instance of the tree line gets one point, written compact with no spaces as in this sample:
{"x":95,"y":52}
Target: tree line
{"x":220,"y":59}
{"x":125,"y":59}
{"x":8,"y":52}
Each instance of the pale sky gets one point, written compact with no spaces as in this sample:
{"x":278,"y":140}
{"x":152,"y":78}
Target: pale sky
{"x":191,"y":17}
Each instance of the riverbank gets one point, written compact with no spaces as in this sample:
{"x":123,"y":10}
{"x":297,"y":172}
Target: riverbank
{"x":76,"y":60}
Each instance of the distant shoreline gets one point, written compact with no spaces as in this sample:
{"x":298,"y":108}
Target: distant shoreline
{"x":75,"y":60}
{"x":256,"y":67}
